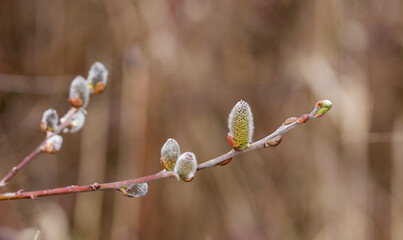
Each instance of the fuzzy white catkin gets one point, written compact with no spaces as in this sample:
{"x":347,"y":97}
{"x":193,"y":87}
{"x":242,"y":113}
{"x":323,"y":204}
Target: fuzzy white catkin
{"x":50,"y":119}
{"x":77,"y":121}
{"x":186,"y":166}
{"x":54,"y":143}
{"x":171,"y":149}
{"x":170,"y":152}
{"x":137,"y":190}
{"x":98,"y":73}
{"x":79,"y":89}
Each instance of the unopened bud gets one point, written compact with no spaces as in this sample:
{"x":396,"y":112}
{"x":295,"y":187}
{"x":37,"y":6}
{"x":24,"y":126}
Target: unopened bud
{"x":303,"y":119}
{"x":135,"y":190}
{"x":225,"y":162}
{"x":97,"y":77}
{"x":53,"y":144}
{"x":49,"y":120}
{"x":290,"y":120}
{"x":77,"y":121}
{"x":170,"y":152}
{"x":186,"y":167}
{"x":240,"y":124}
{"x":325,"y":106}
{"x":79,"y":93}
{"x":272,"y":142}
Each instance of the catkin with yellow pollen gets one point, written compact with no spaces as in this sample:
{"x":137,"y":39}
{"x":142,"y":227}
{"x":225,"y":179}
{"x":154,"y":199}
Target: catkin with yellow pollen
{"x":240,"y":124}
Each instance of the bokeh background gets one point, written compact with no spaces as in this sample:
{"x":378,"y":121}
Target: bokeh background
{"x":176,"y":69}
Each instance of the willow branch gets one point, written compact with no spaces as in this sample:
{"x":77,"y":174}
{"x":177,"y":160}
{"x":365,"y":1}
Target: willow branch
{"x":38,"y":149}
{"x":289,"y":124}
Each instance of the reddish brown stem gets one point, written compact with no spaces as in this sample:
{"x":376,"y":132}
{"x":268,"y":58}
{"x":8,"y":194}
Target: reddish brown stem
{"x":162,"y":174}
{"x":37,"y":150}
{"x":86,"y":188}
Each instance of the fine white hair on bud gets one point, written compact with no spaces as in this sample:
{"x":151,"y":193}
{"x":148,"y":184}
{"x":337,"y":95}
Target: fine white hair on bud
{"x":97,"y":77}
{"x":49,"y":120}
{"x":170,"y":152}
{"x":135,"y":190}
{"x":240,"y":124}
{"x":53,"y":144}
{"x":186,"y":167}
{"x":79,"y":93}
{"x":77,"y":121}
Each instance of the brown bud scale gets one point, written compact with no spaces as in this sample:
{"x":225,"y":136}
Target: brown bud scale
{"x":290,"y":120}
{"x":162,"y":160}
{"x":188,"y":179}
{"x":76,"y":102}
{"x":43,"y":127}
{"x":274,"y":141}
{"x":303,"y":118}
{"x":50,"y":148}
{"x":225,"y":162}
{"x":99,"y":87}
{"x":124,"y":192}
{"x":231,"y":142}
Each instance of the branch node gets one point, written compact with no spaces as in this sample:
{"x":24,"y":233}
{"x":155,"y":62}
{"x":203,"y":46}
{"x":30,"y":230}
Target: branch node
{"x":95,"y":186}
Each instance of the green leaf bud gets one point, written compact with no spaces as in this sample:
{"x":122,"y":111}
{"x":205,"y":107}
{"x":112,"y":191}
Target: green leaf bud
{"x":240,"y":124}
{"x":324,"y":107}
{"x":170,"y":152}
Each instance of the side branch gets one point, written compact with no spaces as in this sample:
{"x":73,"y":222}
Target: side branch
{"x":37,"y":150}
{"x":86,"y":188}
{"x":218,"y":161}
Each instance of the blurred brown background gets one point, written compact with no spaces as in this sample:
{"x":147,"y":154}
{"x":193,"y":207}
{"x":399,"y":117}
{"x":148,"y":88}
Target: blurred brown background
{"x":176,"y":69}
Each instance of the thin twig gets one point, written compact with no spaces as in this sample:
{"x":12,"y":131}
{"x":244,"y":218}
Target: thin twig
{"x":162,"y":174}
{"x":36,"y":237}
{"x":38,"y":149}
